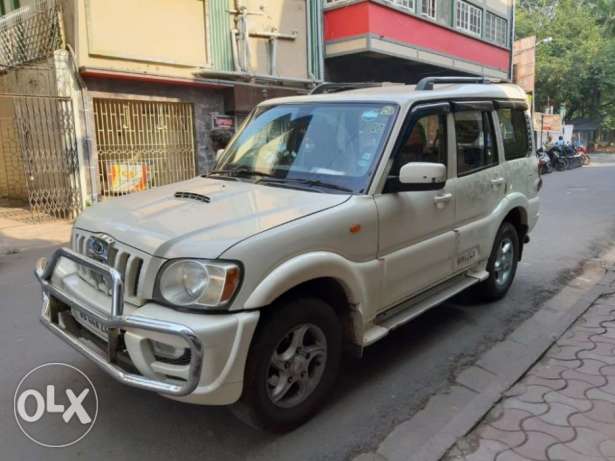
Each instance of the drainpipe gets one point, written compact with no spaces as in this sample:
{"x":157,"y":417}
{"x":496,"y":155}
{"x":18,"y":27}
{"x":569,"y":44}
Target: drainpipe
{"x":512,"y":39}
{"x":88,"y":142}
{"x":321,"y":41}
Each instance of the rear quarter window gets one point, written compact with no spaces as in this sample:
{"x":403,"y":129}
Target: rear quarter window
{"x":515,"y":133}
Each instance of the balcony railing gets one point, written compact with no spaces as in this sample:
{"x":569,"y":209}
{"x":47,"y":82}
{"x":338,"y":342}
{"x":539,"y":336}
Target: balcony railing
{"x":29,"y":34}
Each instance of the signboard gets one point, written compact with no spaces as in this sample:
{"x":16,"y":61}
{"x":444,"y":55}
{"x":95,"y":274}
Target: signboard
{"x":124,"y":178}
{"x":524,"y":63}
{"x":222,"y":121}
{"x":568,"y":130}
{"x":546,"y":122}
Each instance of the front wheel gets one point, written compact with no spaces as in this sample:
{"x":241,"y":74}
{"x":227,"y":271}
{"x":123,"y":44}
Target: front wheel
{"x":292,"y":365}
{"x":502,"y":264}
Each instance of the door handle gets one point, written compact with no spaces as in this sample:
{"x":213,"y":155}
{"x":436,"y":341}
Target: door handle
{"x":498,"y":181}
{"x":441,"y":200}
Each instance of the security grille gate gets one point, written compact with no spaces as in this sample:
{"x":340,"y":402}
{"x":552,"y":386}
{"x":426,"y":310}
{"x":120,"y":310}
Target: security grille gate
{"x":39,"y":163}
{"x":38,"y":155}
{"x":143,"y":144}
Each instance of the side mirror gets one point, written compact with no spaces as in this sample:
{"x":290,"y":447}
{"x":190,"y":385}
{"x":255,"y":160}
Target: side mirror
{"x":417,"y":176}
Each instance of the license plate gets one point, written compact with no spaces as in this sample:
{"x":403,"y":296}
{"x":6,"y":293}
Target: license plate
{"x":91,"y":324}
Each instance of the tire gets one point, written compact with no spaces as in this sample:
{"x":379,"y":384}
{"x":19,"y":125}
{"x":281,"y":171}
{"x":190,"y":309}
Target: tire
{"x":586,"y":160}
{"x":561,"y":164}
{"x":499,"y":282}
{"x":264,"y":404}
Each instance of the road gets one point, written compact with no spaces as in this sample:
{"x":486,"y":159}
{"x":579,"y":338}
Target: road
{"x":392,"y":381}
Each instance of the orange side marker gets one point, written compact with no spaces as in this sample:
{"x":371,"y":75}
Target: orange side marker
{"x":355,"y":228}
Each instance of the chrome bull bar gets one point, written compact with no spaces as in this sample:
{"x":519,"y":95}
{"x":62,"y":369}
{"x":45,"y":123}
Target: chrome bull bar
{"x":114,"y":324}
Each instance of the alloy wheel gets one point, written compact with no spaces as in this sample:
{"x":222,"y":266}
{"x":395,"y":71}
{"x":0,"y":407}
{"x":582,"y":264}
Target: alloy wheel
{"x":504,"y":261}
{"x":296,"y":366}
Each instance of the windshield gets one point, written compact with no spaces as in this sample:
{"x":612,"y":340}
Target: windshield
{"x":326,"y":147}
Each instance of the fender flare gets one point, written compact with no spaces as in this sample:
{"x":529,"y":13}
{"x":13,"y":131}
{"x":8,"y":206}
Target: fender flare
{"x":513,"y":201}
{"x":311,"y":266}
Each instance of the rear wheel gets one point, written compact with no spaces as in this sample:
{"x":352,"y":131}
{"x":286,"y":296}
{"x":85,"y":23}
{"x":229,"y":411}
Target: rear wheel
{"x":561,"y":164}
{"x":292,"y":365}
{"x":502,"y":264}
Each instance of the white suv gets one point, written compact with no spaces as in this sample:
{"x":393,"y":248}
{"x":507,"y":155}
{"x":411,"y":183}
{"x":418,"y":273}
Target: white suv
{"x":329,"y":220}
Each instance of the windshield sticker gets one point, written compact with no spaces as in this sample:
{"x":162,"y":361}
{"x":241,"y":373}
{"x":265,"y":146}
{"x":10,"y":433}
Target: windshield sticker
{"x":387,"y":110}
{"x":370,"y":115}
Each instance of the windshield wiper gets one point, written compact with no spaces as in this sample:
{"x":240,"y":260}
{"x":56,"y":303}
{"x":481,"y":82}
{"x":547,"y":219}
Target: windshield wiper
{"x":308,"y":182}
{"x":233,"y":173}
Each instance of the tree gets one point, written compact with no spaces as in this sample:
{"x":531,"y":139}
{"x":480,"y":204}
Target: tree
{"x":577,"y":68}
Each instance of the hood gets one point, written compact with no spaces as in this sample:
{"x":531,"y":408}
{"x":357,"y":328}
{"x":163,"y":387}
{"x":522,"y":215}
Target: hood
{"x":157,"y":222}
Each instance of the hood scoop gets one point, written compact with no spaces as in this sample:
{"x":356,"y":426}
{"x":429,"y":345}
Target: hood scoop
{"x":193,"y":196}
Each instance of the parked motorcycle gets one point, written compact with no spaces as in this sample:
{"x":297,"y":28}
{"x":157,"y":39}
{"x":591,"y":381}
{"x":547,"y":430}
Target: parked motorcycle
{"x":582,"y":151}
{"x":558,"y":159}
{"x":544,"y":162}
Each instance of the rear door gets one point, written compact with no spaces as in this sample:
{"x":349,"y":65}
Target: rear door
{"x":480,"y":184}
{"x":516,"y":132}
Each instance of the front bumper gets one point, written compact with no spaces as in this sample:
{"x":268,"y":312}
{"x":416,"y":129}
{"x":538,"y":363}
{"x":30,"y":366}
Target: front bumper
{"x":216,"y":345}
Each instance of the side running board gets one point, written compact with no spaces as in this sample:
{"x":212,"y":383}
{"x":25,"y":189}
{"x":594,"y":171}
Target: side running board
{"x":402,"y":313}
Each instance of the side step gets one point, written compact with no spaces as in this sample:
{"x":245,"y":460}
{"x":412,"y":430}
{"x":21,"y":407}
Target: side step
{"x":408,"y":310}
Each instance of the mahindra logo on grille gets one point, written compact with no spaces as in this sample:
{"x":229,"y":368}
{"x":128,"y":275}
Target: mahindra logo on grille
{"x":98,"y":247}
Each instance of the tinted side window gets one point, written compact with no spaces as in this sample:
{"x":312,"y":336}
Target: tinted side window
{"x":476,"y":147}
{"x":426,"y":142}
{"x":513,"y":125}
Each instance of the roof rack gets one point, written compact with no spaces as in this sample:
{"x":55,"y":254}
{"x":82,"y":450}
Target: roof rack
{"x":333,"y":87}
{"x":427,"y":83}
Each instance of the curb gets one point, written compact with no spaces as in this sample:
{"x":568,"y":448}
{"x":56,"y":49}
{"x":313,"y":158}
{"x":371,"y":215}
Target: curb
{"x":449,"y":415}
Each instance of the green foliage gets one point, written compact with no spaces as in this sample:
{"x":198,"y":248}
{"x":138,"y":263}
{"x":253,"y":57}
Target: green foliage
{"x":577,"y":68}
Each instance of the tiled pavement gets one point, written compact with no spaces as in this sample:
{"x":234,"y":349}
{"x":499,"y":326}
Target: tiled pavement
{"x":564,"y":407}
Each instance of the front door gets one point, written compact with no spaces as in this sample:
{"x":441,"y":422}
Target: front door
{"x":416,"y":238}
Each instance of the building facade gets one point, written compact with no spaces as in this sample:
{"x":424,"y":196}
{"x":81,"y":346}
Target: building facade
{"x":138,"y":89}
{"x":404,"y":40}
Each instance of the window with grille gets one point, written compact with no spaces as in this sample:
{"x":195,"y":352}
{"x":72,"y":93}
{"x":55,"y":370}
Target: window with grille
{"x":405,"y":4}
{"x":468,"y":18}
{"x":428,"y":8}
{"x":328,"y":3}
{"x":496,"y":29}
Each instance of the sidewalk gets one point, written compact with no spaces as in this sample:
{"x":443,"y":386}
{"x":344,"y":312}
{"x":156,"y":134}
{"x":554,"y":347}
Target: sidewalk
{"x":563,"y":408}
{"x":17,"y":236}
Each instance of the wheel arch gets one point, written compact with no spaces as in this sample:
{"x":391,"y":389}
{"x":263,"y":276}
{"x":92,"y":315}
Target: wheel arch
{"x":330,"y":277}
{"x":518,"y":217}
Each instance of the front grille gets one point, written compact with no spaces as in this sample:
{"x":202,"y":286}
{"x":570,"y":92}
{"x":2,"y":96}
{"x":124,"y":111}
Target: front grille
{"x":126,"y":260}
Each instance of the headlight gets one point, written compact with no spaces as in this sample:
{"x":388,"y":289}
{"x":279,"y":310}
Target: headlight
{"x":200,"y":284}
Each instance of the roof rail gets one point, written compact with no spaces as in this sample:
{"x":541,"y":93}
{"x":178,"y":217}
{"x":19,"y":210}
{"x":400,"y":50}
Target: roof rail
{"x":427,"y":83}
{"x":333,"y":87}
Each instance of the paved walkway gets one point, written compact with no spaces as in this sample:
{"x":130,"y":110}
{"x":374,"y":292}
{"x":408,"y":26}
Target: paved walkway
{"x":564,"y":407}
{"x":17,"y":236}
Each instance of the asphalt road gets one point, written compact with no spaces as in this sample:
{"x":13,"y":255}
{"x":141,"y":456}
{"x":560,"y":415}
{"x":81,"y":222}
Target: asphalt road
{"x":387,"y":386}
